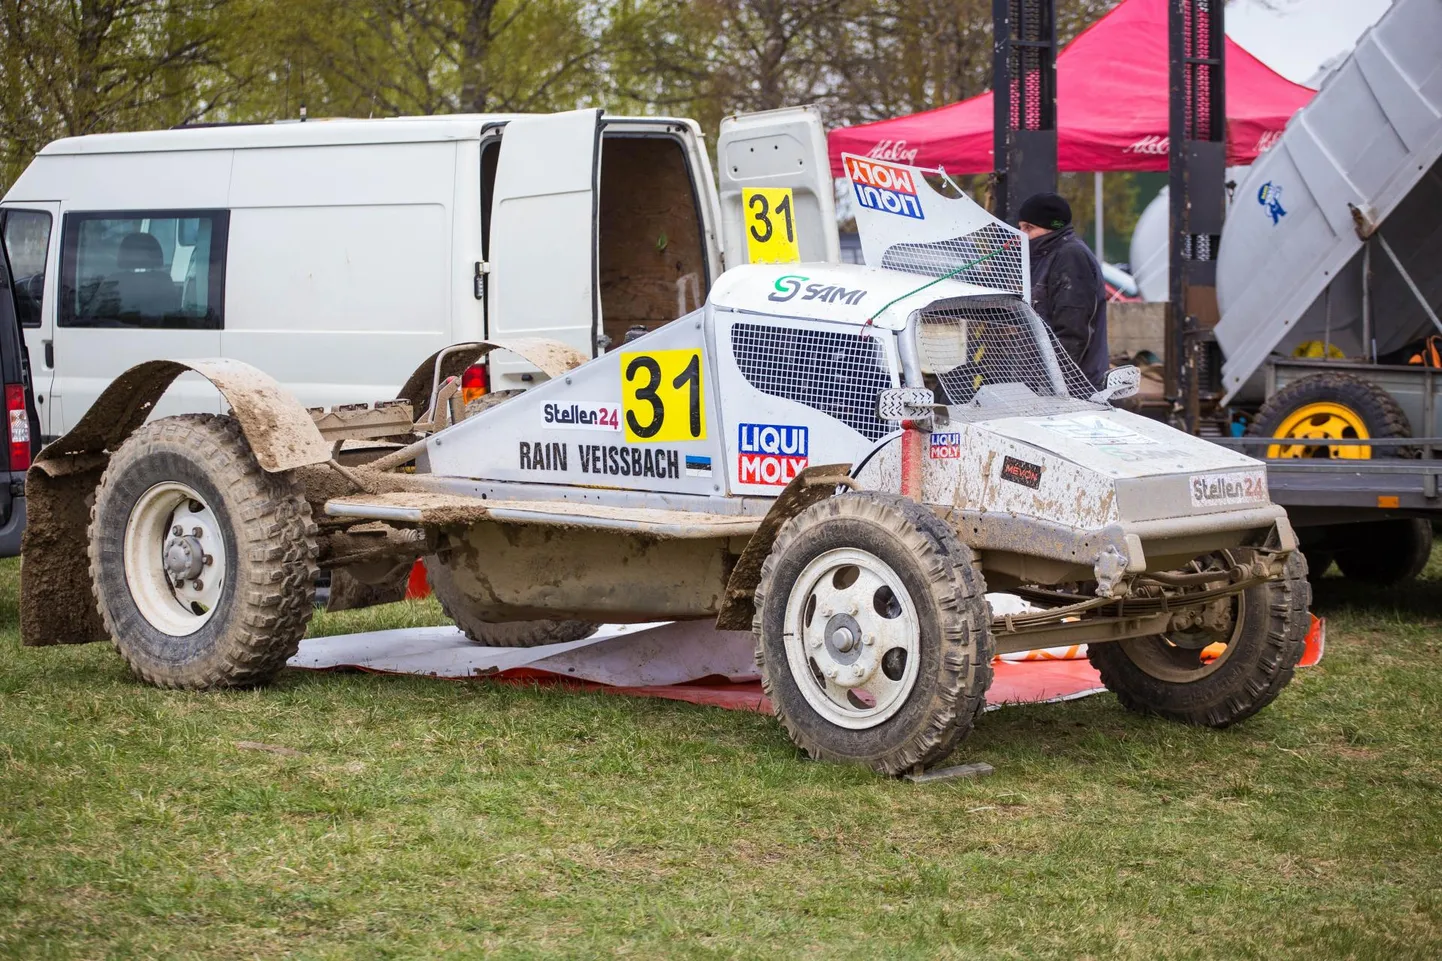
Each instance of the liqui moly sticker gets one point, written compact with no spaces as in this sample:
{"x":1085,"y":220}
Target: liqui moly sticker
{"x":770,"y":453}
{"x":880,"y":186}
{"x":582,"y":416}
{"x":1241,"y":487}
{"x":945,"y":446}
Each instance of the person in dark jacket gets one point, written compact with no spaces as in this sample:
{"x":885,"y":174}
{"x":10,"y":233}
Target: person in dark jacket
{"x":1066,"y":283}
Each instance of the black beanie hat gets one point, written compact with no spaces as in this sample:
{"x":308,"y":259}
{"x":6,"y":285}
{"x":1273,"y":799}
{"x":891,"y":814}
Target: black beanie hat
{"x":1045,"y":210}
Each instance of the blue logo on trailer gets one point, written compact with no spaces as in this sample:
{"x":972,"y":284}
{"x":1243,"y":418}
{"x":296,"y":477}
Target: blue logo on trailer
{"x":1270,"y":197}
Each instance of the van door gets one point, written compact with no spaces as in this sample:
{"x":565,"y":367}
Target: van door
{"x":31,"y":234}
{"x":137,"y":285}
{"x":542,"y":252}
{"x":778,"y":204}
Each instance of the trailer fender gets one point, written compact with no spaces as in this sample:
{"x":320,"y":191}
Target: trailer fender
{"x":811,"y":486}
{"x":551,"y":357}
{"x":56,"y":605}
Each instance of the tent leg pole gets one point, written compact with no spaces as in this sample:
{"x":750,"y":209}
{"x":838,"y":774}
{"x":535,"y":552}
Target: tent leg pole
{"x":1097,"y":188}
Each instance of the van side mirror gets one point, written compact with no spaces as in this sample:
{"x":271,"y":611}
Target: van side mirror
{"x":1121,"y":382}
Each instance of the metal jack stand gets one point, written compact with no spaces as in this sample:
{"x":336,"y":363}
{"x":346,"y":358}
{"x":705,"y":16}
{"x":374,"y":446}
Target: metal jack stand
{"x":1197,"y":163}
{"x":1024,"y":94}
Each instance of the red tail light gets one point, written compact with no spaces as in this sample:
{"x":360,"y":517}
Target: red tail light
{"x":475,"y":382}
{"x":19,"y":426}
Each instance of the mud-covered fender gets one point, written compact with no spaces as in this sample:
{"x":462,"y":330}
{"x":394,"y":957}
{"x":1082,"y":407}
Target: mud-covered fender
{"x":811,"y":486}
{"x":551,"y":357}
{"x":57,"y":606}
{"x":281,"y":432}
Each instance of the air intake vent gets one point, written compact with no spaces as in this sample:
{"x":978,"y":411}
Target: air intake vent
{"x":839,"y":374}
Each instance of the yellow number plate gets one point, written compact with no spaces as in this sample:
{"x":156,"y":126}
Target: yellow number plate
{"x":662,"y":396}
{"x":770,"y":225}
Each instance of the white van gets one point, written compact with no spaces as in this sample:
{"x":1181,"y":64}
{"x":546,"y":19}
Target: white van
{"x":338,"y":255}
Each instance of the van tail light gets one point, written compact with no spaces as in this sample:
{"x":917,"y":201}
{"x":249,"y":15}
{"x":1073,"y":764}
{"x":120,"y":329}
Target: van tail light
{"x":19,"y":426}
{"x":475,"y":382}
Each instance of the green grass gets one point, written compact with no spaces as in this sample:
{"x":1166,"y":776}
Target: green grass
{"x":437,"y":819}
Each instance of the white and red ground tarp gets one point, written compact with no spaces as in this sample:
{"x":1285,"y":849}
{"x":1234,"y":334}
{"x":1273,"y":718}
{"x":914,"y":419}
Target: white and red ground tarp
{"x":683,"y":661}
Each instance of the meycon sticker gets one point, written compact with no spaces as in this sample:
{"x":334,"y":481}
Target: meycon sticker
{"x":1239,"y":487}
{"x":880,"y":186}
{"x":770,"y":453}
{"x":586,"y":416}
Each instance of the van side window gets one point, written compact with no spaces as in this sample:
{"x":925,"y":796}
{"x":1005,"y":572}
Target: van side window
{"x":162,"y":269}
{"x":27,"y":244}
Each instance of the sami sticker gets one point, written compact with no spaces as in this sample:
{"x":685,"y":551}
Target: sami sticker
{"x":770,"y":453}
{"x":1210,"y":490}
{"x":661,"y":396}
{"x":880,"y":186}
{"x":1020,"y":472}
{"x":945,"y":446}
{"x":582,"y":416}
{"x":770,"y":225}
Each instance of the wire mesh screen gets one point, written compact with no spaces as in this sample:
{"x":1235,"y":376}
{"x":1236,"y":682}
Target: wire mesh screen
{"x":989,"y":256}
{"x":974,"y":342}
{"x":840,"y":374}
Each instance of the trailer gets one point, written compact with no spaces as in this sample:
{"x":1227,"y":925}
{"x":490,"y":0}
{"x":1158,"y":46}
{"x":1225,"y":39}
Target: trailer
{"x":1328,"y":288}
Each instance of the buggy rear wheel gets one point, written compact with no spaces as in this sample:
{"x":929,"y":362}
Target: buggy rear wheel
{"x":873,"y":633}
{"x":1180,"y":676}
{"x":471,"y":617}
{"x":202,"y":564}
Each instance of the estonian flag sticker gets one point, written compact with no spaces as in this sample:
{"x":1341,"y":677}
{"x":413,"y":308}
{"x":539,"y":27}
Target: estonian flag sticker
{"x":698,"y":466}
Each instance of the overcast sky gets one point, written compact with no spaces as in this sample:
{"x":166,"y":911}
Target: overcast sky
{"x":1295,"y":37}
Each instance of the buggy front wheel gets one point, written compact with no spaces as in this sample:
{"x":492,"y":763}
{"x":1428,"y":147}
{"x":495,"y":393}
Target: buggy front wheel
{"x":873,"y":633}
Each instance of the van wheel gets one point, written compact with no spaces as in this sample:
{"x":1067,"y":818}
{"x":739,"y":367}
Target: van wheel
{"x":1384,"y":553}
{"x":470,"y":617}
{"x":873,"y":633}
{"x":202,"y":564}
{"x":1329,"y":406}
{"x":1173,"y":676}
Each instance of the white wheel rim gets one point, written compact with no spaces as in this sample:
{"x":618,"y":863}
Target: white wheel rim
{"x":852,"y":638}
{"x":175,"y":579}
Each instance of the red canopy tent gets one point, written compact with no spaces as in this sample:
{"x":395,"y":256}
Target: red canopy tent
{"x":1111,"y":107}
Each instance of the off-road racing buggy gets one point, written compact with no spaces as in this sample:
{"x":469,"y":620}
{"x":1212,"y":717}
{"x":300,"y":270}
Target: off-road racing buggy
{"x":841,"y":459}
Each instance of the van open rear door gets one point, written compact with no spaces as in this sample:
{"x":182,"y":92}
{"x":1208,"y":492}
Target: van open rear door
{"x":542,"y":252}
{"x":778,"y":204}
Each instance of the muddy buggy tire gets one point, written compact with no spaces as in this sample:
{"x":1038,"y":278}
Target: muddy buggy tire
{"x":1261,"y":655}
{"x":875,"y":584}
{"x":258,"y":586}
{"x":1384,"y":553}
{"x":1338,"y":399}
{"x":471,"y":618}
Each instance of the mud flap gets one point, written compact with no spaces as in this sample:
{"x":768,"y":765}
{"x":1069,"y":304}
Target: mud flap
{"x":56,"y":603}
{"x":812,"y":485}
